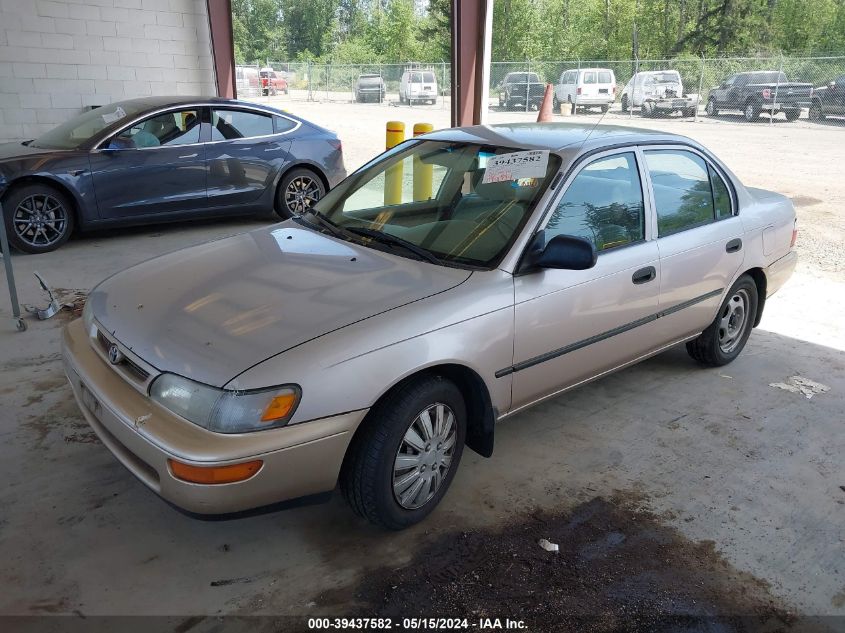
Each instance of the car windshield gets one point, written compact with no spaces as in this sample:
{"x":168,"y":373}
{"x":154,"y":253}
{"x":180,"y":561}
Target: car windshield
{"x":71,"y":134}
{"x":462,"y":203}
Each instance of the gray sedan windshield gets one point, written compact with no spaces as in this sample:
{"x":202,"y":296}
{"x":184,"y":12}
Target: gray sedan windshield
{"x":71,"y":134}
{"x":463,"y":203}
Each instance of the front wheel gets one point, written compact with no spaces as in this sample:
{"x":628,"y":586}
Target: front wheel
{"x":711,"y":108}
{"x":792,"y":115}
{"x":625,"y":103}
{"x":725,"y":338}
{"x":39,"y":218}
{"x":604,"y":109}
{"x":816,"y":113}
{"x":298,"y":191}
{"x":403,"y":459}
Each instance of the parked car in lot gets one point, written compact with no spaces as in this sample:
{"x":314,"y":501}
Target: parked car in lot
{"x":521,"y":89}
{"x":586,"y":87}
{"x":247,"y":81}
{"x":417,"y":86}
{"x":753,"y":93}
{"x":368,"y":343}
{"x":272,"y":83}
{"x":828,"y":100}
{"x":658,"y":92}
{"x":369,"y":88}
{"x":158,"y":159}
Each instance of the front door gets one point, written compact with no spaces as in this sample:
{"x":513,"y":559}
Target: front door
{"x":699,"y":237}
{"x":572,"y":325}
{"x":153,"y":167}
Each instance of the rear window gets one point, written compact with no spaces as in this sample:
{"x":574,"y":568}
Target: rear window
{"x":605,"y":78}
{"x":415,"y":78}
{"x":428,"y":78}
{"x":590,"y":78}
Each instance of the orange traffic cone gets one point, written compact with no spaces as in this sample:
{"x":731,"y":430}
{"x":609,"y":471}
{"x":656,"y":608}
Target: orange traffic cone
{"x":545,"y":114}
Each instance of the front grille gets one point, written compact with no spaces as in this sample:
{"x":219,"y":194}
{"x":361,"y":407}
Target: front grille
{"x":128,"y":367}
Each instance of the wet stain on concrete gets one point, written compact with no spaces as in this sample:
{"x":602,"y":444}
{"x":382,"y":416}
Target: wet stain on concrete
{"x":805,"y":201}
{"x":618,"y":569}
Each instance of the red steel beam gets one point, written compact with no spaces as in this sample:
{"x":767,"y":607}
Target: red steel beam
{"x":470,"y":39}
{"x":222,"y":46}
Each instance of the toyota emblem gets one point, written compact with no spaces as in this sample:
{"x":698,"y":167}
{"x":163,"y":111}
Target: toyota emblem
{"x":115,"y":356}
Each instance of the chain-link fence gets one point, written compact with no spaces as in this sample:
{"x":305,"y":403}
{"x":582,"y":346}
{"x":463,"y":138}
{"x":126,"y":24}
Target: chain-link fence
{"x":772,"y":89}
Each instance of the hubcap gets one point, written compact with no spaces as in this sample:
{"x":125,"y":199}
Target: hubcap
{"x":40,"y":220}
{"x":301,"y":194}
{"x":424,"y":456}
{"x":749,"y":112}
{"x":733,"y":321}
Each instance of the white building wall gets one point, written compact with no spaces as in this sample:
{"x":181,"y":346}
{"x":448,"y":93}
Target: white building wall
{"x":59,"y":56}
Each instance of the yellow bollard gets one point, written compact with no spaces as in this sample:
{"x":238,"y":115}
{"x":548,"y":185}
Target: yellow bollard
{"x":393,"y":175}
{"x":422,"y":172}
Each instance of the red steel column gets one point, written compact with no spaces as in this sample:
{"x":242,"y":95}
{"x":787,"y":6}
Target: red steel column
{"x":470,"y":40}
{"x":222,"y":46}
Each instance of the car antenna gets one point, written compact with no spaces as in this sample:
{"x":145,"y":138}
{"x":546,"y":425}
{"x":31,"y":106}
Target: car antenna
{"x":592,"y":129}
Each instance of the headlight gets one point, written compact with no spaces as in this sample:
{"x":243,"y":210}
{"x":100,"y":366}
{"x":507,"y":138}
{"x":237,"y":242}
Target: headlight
{"x":223,"y":410}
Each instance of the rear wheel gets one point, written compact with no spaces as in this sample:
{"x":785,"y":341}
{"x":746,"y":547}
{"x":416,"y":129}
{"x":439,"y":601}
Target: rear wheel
{"x":625,"y":103}
{"x":403,"y":459}
{"x":647,"y":109}
{"x":39,"y":218}
{"x":725,"y":338}
{"x":605,"y":108}
{"x":298,"y":192}
{"x":752,"y":111}
{"x":689,"y":112}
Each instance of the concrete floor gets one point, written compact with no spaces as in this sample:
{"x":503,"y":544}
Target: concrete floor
{"x":719,"y":454}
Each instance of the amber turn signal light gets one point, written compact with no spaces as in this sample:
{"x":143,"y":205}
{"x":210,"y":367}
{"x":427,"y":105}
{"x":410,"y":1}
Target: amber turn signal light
{"x":279,"y":407}
{"x":214,"y":474}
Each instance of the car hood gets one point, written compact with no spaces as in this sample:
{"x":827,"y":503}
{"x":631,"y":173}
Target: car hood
{"x":212,"y":311}
{"x":19,"y":150}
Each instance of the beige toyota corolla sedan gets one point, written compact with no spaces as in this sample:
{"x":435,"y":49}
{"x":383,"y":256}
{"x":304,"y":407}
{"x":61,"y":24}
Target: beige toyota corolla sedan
{"x":448,"y":284}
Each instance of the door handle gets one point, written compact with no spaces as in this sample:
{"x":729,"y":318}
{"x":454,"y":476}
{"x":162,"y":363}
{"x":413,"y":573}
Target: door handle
{"x":194,"y":155}
{"x":733,"y":246}
{"x":644,"y":275}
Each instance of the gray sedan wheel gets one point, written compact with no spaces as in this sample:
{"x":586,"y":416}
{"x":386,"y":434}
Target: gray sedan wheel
{"x":406,"y":452}
{"x":726,"y":336}
{"x":39,"y":218}
{"x":299,"y":190}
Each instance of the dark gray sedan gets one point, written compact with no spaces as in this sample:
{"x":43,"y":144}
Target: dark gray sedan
{"x":160,"y":159}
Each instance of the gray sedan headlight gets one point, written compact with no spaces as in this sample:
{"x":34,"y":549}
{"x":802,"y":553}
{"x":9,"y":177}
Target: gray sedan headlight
{"x":223,"y":410}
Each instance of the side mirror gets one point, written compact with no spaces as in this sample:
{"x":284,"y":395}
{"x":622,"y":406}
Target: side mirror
{"x":562,"y":251}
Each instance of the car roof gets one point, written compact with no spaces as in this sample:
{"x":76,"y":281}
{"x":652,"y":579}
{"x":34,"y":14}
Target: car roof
{"x":155,"y":103}
{"x":554,"y":136}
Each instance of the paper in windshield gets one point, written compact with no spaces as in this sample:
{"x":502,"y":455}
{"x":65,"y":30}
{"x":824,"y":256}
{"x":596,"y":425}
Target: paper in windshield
{"x":516,"y":166}
{"x":111,"y":117}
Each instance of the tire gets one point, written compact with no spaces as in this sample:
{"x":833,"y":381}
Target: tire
{"x":555,"y":104}
{"x":39,"y":218}
{"x":711,"y":108}
{"x":298,"y":190}
{"x":647,"y":109}
{"x":371,"y":478}
{"x":816,"y":112}
{"x":689,"y":112}
{"x":604,"y":108}
{"x":715,"y":346}
{"x":625,"y":103}
{"x":792,"y":114}
{"x":752,"y":111}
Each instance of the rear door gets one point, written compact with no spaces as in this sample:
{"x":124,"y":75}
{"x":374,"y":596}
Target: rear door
{"x":153,"y":167}
{"x":571,"y":325}
{"x":699,"y":237}
{"x":244,"y":155}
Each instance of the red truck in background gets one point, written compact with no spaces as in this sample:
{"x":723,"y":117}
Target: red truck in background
{"x":272,"y":83}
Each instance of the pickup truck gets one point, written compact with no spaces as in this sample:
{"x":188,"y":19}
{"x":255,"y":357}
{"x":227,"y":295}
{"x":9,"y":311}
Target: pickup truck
{"x":828,"y":100}
{"x":272,"y":83}
{"x":521,"y":89}
{"x":760,"y":91}
{"x":658,"y":92}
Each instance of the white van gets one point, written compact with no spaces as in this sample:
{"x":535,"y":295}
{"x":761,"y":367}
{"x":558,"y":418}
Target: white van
{"x":586,"y":87}
{"x":418,"y":85}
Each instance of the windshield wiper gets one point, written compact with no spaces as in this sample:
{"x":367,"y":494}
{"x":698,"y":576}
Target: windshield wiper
{"x":325,"y":222}
{"x":393,"y":240}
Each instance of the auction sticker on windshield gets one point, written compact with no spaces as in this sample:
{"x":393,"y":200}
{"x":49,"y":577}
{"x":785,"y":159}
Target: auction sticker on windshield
{"x":516,"y":166}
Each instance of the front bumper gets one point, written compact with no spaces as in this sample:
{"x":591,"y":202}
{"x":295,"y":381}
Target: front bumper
{"x":299,"y":460}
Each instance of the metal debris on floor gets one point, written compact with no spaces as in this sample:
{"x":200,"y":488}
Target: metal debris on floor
{"x":799,"y":384}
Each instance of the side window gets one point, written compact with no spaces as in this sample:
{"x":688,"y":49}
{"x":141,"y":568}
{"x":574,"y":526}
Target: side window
{"x":682,"y":195}
{"x":604,"y":204}
{"x":171,"y":128}
{"x":721,"y":195}
{"x":227,"y":125}
{"x":283,"y":124}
